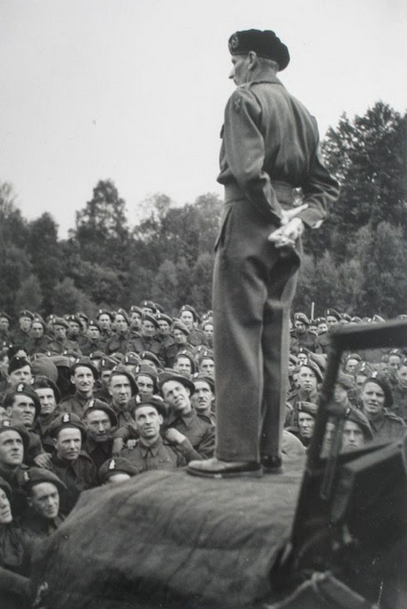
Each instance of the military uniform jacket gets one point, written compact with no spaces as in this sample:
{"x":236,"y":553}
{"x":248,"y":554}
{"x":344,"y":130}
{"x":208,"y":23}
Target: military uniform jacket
{"x":99,"y":452}
{"x":75,"y":403}
{"x":38,"y":345}
{"x":199,"y":431}
{"x":39,"y":527}
{"x":160,"y":455}
{"x":19,"y":338}
{"x":399,"y":406}
{"x":120,"y":343}
{"x":285,"y":143}
{"x":77,"y":476}
{"x":387,"y":427}
{"x":153,"y":345}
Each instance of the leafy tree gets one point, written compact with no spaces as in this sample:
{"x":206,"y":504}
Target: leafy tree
{"x":67,"y":298}
{"x":29,"y":295}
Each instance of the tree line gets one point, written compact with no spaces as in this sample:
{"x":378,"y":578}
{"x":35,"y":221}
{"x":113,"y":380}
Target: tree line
{"x":356,"y":262}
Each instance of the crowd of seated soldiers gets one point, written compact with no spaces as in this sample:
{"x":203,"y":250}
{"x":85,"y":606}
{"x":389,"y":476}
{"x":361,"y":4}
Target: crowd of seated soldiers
{"x":88,"y":402}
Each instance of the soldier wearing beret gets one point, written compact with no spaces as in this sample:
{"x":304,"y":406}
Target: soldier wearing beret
{"x":181,"y":334}
{"x":74,"y":467}
{"x":122,"y":340}
{"x":309,"y":377}
{"x":399,"y":406}
{"x":182,"y":421}
{"x":164,"y":330}
{"x":377,"y":401}
{"x":20,"y":336}
{"x":203,"y":398}
{"x":49,"y":396}
{"x":206,"y":362}
{"x":93,"y":341}
{"x":100,"y":421}
{"x":83,"y":376}
{"x":122,"y":387}
{"x":306,"y":413}
{"x":270,"y":147}
{"x":14,"y":441}
{"x":356,"y":430}
{"x":39,"y":340}
{"x":151,"y":451}
{"x":116,"y":470}
{"x":5,"y":336}
{"x":105,"y":319}
{"x":300,"y":335}
{"x":148,"y":340}
{"x":135,"y":316}
{"x":22,"y":405}
{"x":146,"y":380}
{"x":42,"y":488}
{"x":61,"y":342}
{"x":184,"y":362}
{"x":189,"y":317}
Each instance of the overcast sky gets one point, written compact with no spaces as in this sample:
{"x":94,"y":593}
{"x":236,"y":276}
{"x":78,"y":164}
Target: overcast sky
{"x":134,"y":90}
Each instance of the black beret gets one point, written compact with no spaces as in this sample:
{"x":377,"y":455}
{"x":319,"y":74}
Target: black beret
{"x":107,"y":363}
{"x":172,"y":375}
{"x":75,"y":319}
{"x":96,"y":404}
{"x":332,"y":313}
{"x":151,"y":319}
{"x":151,"y":357}
{"x":204,"y":378}
{"x":264,"y":43}
{"x":315,"y":368}
{"x":131,"y":359}
{"x":301,"y":317}
{"x":120,"y":370}
{"x":134,"y":309}
{"x":345,"y":380}
{"x":17,"y":363}
{"x":22,"y":389}
{"x":179,"y":325}
{"x":164,"y":317}
{"x":148,"y":400}
{"x":5,"y":315}
{"x":203,"y":352}
{"x":86,"y":362}
{"x":60,"y":321}
{"x":189,"y":356}
{"x":38,"y":475}
{"x":82,"y":316}
{"x":148,"y":304}
{"x":118,"y":465}
{"x":357,"y":416}
{"x":38,"y":319}
{"x":26,"y":313}
{"x":92,"y":323}
{"x":308,"y":407}
{"x":354,"y":356}
{"x":124,"y":314}
{"x":67,"y":420}
{"x":146,"y":370}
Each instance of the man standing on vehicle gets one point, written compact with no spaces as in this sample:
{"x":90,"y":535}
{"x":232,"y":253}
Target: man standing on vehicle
{"x":270,"y":148}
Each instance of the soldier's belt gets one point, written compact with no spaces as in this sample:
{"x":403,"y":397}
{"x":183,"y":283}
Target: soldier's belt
{"x":285,"y":193}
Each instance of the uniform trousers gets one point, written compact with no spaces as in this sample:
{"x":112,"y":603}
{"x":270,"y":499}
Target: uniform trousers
{"x":253,"y":286}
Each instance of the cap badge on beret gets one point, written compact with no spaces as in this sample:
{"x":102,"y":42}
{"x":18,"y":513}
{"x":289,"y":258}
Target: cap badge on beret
{"x":20,"y":387}
{"x":112,"y":464}
{"x":66,"y":418}
{"x":26,"y":477}
{"x":6,"y":423}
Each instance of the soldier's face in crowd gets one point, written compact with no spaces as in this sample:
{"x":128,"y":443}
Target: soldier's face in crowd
{"x":394,"y":362}
{"x":11,"y":449}
{"x":208,"y":331}
{"x":312,"y":329}
{"x":5,"y":509}
{"x":147,"y":328}
{"x":188,"y":319}
{"x":300,"y":326}
{"x":323,"y":327}
{"x":179,"y":337}
{"x":47,"y":400}
{"x":37,"y":329}
{"x":93,"y":332}
{"x":59,"y":331}
{"x":340,"y":392}
{"x":4,"y":323}
{"x":150,"y":363}
{"x":105,"y":321}
{"x":384,"y":369}
{"x":105,"y":378}
{"x":145,"y":384}
{"x":240,"y":69}
{"x":307,"y":379}
{"x":331,"y":321}
{"x":148,"y":422}
{"x":203,"y":397}
{"x":22,"y":375}
{"x":121,"y":323}
{"x":306,"y":424}
{"x":44,"y":499}
{"x":183,"y":364}
{"x":351,"y":365}
{"x":4,"y":362}
{"x":164,"y":327}
{"x":359,"y":380}
{"x":135,"y":320}
{"x":25,"y":323}
{"x":301,"y":358}
{"x":74,"y":329}
{"x":22,"y":409}
{"x":402,"y":376}
{"x":352,"y":436}
{"x":98,"y":425}
{"x":207,"y":366}
{"x":83,"y":380}
{"x":68,"y":444}
{"x":373,"y":399}
{"x":120,"y":389}
{"x":177,"y":396}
